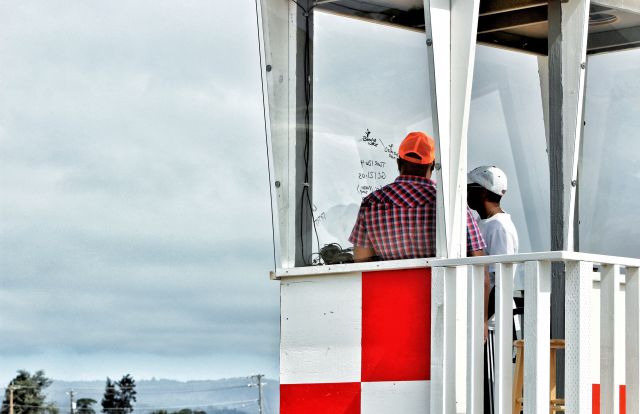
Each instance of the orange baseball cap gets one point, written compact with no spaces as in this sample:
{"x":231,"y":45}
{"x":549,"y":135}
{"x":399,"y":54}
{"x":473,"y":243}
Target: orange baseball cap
{"x":418,"y":147}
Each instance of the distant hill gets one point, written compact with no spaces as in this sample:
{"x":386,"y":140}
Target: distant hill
{"x":212,"y":396}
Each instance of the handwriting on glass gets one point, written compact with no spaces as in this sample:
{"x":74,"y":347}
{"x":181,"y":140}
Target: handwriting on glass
{"x":374,"y":142}
{"x":320,"y":218}
{"x":373,"y":174}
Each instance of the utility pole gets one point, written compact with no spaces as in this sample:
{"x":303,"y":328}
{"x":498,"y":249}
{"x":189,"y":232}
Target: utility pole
{"x":71,"y":402}
{"x":258,"y":378}
{"x":12,"y":388}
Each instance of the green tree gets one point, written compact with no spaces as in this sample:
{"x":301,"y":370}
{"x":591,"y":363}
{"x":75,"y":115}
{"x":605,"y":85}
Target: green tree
{"x":85,"y":406}
{"x":126,"y":394}
{"x":119,"y":396}
{"x":28,"y":394}
{"x":109,"y":400}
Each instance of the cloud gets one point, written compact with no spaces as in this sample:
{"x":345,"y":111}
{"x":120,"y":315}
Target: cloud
{"x":134,"y":204}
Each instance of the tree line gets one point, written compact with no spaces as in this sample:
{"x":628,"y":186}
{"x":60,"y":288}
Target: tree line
{"x":118,"y":398}
{"x":29,"y":398}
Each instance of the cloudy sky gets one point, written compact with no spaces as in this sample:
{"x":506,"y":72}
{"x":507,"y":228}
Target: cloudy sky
{"x":134,"y":209}
{"x":135,"y":226}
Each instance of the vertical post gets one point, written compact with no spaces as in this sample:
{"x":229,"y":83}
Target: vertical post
{"x":632,"y":346}
{"x":258,"y":378}
{"x":11,"y":389}
{"x":451,"y":25}
{"x":303,"y":119}
{"x":568,"y":29}
{"x":609,"y":292}
{"x":504,"y":337}
{"x":71,"y":401}
{"x":536,"y":337}
{"x":287,"y":32}
{"x":260,"y":393}
{"x":443,"y":340}
{"x":475,"y":329}
{"x":578,"y":357}
{"x":267,"y":80}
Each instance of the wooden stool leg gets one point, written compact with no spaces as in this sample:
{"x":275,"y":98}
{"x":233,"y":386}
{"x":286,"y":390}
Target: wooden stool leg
{"x":518,"y":378}
{"x":552,"y":380}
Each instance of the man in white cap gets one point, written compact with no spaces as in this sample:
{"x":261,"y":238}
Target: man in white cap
{"x":485,"y":188}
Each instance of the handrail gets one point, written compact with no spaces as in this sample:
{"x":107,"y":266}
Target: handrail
{"x":349,"y":268}
{"x":553,"y":256}
{"x":445,"y":262}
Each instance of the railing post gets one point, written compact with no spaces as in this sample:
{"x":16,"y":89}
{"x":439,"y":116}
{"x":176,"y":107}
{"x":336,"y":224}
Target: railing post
{"x":475,"y":341}
{"x":578,"y":357}
{"x":609,"y":293}
{"x":443,"y":340}
{"x":632,"y":329}
{"x":537,"y":337}
{"x":504,"y":338}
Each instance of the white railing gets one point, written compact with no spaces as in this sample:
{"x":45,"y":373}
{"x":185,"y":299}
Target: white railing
{"x":457,"y":331}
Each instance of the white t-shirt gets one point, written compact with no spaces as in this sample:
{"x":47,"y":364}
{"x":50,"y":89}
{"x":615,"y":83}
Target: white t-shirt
{"x":501,"y":237}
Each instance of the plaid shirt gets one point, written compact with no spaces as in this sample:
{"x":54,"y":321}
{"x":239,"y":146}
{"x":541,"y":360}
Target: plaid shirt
{"x":399,"y":221}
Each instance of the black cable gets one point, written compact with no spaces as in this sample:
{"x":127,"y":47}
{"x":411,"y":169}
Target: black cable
{"x":307,"y":145}
{"x":264,"y":119}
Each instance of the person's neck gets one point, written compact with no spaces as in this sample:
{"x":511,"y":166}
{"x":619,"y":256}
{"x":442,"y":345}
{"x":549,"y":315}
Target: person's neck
{"x":490,"y":210}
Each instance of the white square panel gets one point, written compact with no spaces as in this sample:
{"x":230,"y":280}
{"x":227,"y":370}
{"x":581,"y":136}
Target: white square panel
{"x":406,"y":397}
{"x":321,"y":329}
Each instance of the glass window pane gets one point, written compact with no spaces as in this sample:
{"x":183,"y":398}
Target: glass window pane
{"x":506,"y":129}
{"x":610,"y":167}
{"x":370,"y":90}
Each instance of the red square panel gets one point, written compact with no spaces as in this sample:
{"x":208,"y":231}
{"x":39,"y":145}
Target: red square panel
{"x":340,"y":398}
{"x":396,"y":325}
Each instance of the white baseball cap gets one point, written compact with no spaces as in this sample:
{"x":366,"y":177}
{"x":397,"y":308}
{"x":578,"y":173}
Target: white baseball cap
{"x":490,"y":177}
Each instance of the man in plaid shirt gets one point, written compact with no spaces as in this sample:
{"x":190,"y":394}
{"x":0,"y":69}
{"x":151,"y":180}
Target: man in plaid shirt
{"x":398,"y":221}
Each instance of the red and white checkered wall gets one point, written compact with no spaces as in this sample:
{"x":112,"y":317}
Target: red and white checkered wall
{"x":356,"y":343}
{"x":360,"y":343}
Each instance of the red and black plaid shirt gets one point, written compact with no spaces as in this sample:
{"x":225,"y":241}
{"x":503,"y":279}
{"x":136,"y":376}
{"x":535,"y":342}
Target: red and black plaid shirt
{"x":398,"y":221}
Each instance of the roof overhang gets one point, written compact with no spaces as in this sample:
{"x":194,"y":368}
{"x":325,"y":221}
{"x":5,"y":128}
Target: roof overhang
{"x":513,"y":24}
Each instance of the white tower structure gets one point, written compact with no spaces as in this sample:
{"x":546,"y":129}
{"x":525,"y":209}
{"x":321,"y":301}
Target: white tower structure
{"x":407,"y":336}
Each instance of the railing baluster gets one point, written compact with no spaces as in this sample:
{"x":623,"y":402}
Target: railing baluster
{"x":578,"y":357}
{"x":475,"y":340}
{"x":536,"y":337}
{"x":632,"y":352}
{"x":504,"y":338}
{"x":443,"y":340}
{"x":609,"y":289}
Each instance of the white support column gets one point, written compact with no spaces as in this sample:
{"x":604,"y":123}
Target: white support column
{"x":568,"y":22}
{"x":443,"y":340}
{"x":267,"y":79}
{"x":504,"y":338}
{"x":475,"y":340}
{"x":451,"y":25}
{"x":632,"y":339}
{"x":567,"y":67}
{"x":282,"y":64}
{"x":575,"y":30}
{"x":609,"y":292}
{"x":578,"y":357}
{"x":537,"y":337}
